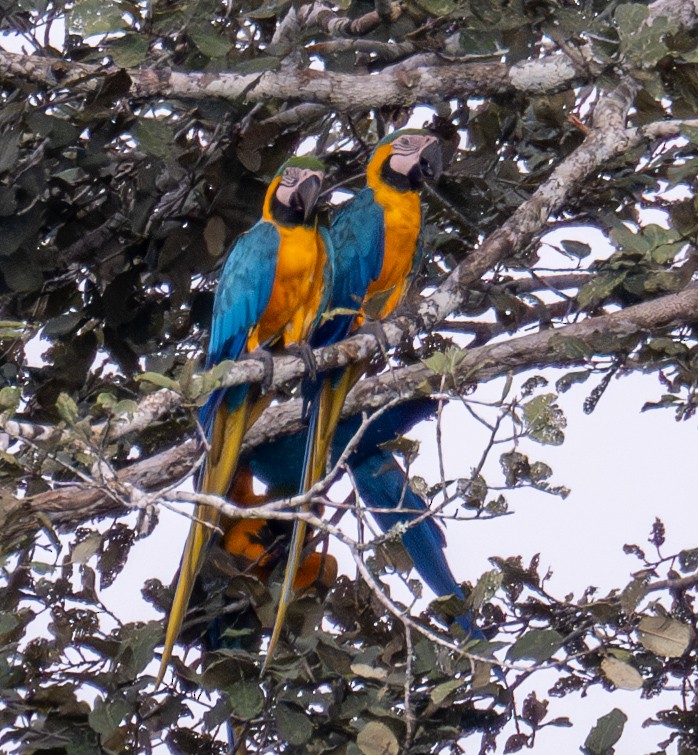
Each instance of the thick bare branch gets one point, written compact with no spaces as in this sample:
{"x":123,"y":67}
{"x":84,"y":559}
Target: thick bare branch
{"x":400,"y":85}
{"x":66,"y":506}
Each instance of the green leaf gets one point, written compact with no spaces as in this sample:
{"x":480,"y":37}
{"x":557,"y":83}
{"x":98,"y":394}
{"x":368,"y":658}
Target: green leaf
{"x":486,"y":588}
{"x":128,"y":51}
{"x":445,"y":362}
{"x":210,"y":41}
{"x":688,"y":560}
{"x":219,"y":714}
{"x":292,"y":725}
{"x":599,"y":288}
{"x":67,"y":408}
{"x":9,"y":399}
{"x":442,"y":691}
{"x":138,"y":644}
{"x":89,"y":17}
{"x":377,"y":739}
{"x":369,"y":671}
{"x":246,"y":699}
{"x":606,"y":732}
{"x":84,"y":550}
{"x":155,"y":137}
{"x":21,"y":273}
{"x":621,"y":674}
{"x":563,"y":384}
{"x":664,"y":636}
{"x":436,"y":8}
{"x":640,"y":41}
{"x":632,"y":594}
{"x":161,"y":381}
{"x":571,"y":347}
{"x":545,"y":420}
{"x":8,"y":622}
{"x":577,"y":249}
{"x":14,"y":329}
{"x":536,"y":645}
{"x":106,"y":715}
{"x":690,"y":132}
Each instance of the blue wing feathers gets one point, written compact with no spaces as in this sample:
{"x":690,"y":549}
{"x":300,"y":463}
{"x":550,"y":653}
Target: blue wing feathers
{"x":243,"y":292}
{"x":357,"y":239}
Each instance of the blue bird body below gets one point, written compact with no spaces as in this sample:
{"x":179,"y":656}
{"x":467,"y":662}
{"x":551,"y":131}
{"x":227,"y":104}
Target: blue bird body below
{"x":381,"y":484}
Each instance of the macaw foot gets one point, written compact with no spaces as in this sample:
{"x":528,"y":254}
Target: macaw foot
{"x":375,"y":328}
{"x":267,"y":360}
{"x":303,"y":351}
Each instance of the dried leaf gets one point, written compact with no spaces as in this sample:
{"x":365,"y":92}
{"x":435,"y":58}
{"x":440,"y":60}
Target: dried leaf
{"x":622,"y":675}
{"x":664,"y":636}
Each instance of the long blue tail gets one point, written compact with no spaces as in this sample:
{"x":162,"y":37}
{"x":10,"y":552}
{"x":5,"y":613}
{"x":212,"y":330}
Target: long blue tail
{"x":381,"y":483}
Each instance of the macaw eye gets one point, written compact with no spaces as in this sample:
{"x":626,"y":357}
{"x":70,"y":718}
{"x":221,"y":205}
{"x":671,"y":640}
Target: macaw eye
{"x":405,"y":145}
{"x":290,"y":176}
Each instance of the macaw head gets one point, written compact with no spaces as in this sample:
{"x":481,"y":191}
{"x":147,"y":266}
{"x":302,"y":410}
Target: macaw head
{"x":293,"y":194}
{"x":407,"y":158}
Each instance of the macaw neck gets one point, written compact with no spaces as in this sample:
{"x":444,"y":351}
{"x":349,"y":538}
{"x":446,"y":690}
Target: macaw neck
{"x":267,"y":211}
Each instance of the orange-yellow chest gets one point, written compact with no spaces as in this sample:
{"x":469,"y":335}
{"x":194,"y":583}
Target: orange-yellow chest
{"x":403,"y":221}
{"x":297,"y":289}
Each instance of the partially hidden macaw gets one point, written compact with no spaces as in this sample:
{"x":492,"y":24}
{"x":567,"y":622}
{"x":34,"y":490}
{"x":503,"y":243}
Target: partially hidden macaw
{"x":270,"y":292}
{"x":377,"y":248}
{"x":381,"y":484}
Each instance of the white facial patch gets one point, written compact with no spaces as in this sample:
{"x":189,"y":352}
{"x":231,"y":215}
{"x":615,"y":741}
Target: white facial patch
{"x":407,"y":150}
{"x":290,"y":179}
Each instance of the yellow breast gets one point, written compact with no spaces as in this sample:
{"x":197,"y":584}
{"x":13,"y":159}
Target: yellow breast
{"x":403,"y":221}
{"x":297,"y":290}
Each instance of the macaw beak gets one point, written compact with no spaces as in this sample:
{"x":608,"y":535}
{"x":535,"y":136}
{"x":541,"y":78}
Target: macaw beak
{"x":431,"y":160}
{"x":308,"y":192}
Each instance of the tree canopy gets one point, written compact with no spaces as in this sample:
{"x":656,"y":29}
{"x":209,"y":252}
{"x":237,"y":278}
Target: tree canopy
{"x":136,"y":143}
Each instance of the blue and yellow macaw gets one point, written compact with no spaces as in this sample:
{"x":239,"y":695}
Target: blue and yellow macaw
{"x":381,"y":484}
{"x":376,"y":238}
{"x":270,"y":292}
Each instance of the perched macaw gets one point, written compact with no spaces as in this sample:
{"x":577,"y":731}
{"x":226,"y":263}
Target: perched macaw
{"x":376,"y":238}
{"x":382,"y":486}
{"x":270,"y":292}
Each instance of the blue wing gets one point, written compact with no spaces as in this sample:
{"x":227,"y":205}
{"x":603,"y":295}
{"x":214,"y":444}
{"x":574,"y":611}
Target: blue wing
{"x":243,"y":292}
{"x":357,"y":236}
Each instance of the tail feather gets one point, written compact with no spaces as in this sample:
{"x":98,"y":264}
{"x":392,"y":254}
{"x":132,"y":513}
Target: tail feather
{"x":225,"y":440}
{"x":382,"y":484}
{"x":326,"y":410}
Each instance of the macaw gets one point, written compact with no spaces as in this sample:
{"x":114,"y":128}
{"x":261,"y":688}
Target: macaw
{"x":376,"y":242}
{"x":270,"y":292}
{"x":381,"y":484}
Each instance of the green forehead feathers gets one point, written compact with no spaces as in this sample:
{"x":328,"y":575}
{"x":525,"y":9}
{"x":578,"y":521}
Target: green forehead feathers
{"x":409,"y":131}
{"x":307,"y":161}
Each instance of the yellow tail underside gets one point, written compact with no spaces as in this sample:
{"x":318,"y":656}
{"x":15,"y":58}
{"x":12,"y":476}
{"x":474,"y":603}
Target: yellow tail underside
{"x":331,"y":400}
{"x":226,"y":440}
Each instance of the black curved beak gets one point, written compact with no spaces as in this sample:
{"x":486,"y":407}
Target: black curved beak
{"x":308,"y":192}
{"x":431,"y":161}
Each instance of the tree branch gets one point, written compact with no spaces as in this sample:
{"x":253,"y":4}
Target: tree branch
{"x":66,"y":506}
{"x":604,"y":142}
{"x":400,"y":85}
